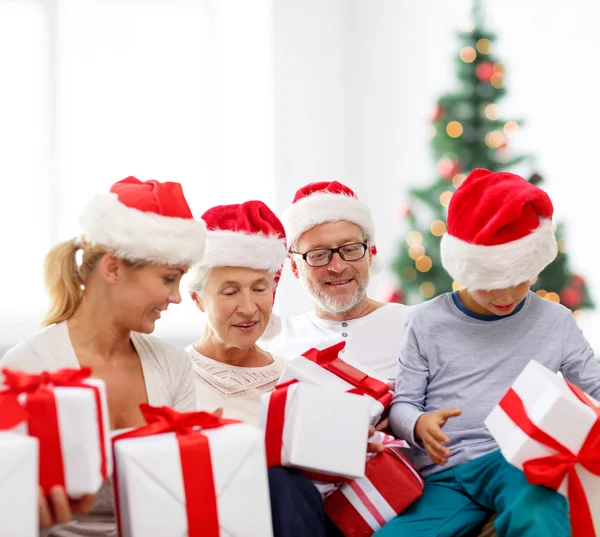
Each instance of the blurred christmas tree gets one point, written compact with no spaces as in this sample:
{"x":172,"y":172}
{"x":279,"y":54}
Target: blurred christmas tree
{"x":467,"y":133}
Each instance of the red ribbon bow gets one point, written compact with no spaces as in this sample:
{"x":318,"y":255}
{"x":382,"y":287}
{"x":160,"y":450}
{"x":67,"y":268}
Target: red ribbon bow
{"x":196,"y":463}
{"x":21,"y":382}
{"x":363,"y":384}
{"x":552,"y":470}
{"x":40,"y":411}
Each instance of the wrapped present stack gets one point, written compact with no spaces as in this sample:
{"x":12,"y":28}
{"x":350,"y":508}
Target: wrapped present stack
{"x":54,"y":432}
{"x":550,"y":429}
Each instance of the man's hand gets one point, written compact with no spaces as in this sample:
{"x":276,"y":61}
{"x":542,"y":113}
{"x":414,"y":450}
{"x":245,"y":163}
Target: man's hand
{"x":428,"y":430}
{"x":57,"y":508}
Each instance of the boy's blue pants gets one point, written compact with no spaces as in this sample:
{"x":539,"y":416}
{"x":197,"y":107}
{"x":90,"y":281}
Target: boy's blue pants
{"x":459,"y":499}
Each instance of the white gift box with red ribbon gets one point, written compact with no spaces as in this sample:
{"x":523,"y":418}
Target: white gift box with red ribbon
{"x":550,"y":429}
{"x":191,"y":474}
{"x":323,"y":367}
{"x":68,"y":414}
{"x":18,"y":486}
{"x":316,"y":430}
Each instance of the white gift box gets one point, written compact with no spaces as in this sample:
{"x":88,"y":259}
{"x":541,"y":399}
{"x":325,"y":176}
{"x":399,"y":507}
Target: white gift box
{"x":305,"y":370}
{"x":151,"y":487}
{"x":324,"y":431}
{"x":555,"y":409}
{"x":80,"y":444}
{"x":18,"y":486}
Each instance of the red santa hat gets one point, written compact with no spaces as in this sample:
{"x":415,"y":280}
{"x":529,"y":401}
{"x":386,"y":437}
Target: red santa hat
{"x":499,"y":231}
{"x":244,"y":235}
{"x":322,"y":202}
{"x":145,"y":221}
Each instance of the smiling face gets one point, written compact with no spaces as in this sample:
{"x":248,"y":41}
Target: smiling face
{"x":143,"y":292}
{"x":238,"y":303}
{"x":497,"y":301}
{"x":341,"y":285}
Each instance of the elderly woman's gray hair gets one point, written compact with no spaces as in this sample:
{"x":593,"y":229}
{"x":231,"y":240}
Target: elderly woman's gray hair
{"x":198,"y":276}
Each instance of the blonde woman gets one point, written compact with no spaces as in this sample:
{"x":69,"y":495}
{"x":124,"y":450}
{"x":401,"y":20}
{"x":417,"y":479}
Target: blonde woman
{"x":107,"y":290}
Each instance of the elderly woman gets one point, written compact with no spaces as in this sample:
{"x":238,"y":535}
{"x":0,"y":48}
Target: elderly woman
{"x":107,"y":290}
{"x":235,"y":286}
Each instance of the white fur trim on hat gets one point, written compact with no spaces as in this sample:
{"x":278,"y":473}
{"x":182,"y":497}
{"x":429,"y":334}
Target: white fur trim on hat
{"x":322,"y":207}
{"x":486,"y":268}
{"x":139,"y":235}
{"x":250,"y":250}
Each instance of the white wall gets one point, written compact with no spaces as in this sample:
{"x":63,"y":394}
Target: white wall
{"x":313,"y":88}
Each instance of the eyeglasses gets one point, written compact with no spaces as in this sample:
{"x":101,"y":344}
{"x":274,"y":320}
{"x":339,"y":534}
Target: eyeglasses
{"x":323,"y":256}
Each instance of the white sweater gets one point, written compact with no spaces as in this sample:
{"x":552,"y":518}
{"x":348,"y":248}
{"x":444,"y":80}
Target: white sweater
{"x":237,"y":390}
{"x":169,"y":381}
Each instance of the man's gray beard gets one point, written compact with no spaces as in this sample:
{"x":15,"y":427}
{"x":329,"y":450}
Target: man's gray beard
{"x":336,"y":304}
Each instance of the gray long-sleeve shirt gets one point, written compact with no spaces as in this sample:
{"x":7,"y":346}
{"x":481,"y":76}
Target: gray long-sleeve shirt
{"x":450,"y":359}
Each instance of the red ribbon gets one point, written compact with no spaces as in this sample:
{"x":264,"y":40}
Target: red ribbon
{"x":11,"y":412}
{"x":39,"y":410}
{"x":363,"y":383}
{"x":552,"y":470}
{"x":196,"y":463}
{"x":275,"y":423}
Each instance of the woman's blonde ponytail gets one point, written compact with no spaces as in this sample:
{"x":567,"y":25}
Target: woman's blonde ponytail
{"x":63,"y":282}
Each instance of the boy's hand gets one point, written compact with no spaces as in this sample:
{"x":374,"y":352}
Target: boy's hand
{"x":428,"y":429}
{"x":373,"y":447}
{"x":383,"y":425}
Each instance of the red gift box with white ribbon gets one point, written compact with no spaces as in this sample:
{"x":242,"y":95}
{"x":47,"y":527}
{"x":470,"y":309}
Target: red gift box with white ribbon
{"x":68,"y":414}
{"x":391,"y":483}
{"x":324,"y":367}
{"x":550,"y":429}
{"x":193,"y":474}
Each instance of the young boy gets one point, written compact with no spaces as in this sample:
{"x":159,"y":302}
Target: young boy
{"x":463,"y":350}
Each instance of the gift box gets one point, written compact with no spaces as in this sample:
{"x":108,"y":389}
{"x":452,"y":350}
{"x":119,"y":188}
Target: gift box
{"x":324,"y":368}
{"x":191,"y":474}
{"x":67,"y":412}
{"x":360,"y":507}
{"x":316,"y":430}
{"x":18,"y":486}
{"x":550,"y":429}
